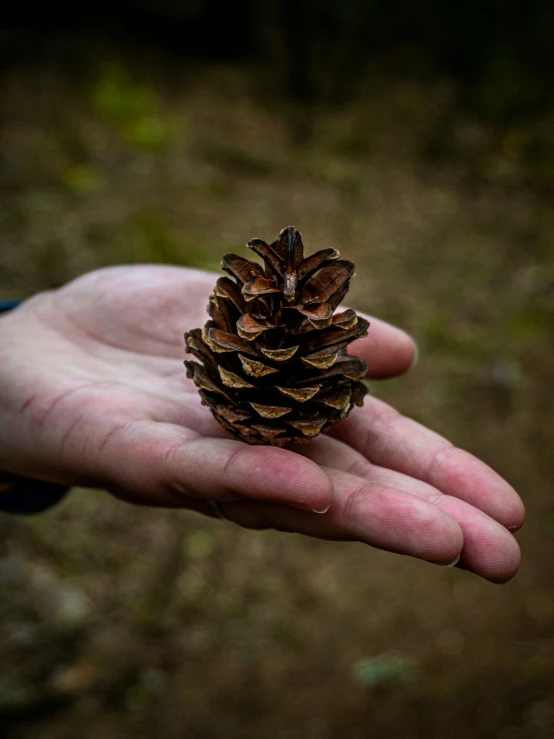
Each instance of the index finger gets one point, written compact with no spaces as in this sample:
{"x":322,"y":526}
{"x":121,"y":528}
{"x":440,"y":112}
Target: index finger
{"x":162,"y":462}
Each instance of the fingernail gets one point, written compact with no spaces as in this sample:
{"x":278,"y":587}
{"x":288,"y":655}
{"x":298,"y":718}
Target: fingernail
{"x":309,"y":508}
{"x":415,"y":359}
{"x":323,"y":510}
{"x":454,"y":563}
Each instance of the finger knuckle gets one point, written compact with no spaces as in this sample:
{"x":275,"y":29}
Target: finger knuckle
{"x":359,"y":467}
{"x":360,"y":497}
{"x":442,"y":456}
{"x":235,"y":459}
{"x":382,"y":427}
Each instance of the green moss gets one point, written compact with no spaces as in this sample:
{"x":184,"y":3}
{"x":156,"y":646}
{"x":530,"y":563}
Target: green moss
{"x":134,"y":109}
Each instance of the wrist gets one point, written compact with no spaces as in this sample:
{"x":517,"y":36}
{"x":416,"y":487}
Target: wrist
{"x":24,"y":497}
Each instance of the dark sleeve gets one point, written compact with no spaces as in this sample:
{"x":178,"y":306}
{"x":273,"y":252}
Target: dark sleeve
{"x":29,"y":496}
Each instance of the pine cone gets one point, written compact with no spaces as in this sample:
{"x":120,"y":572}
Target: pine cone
{"x":274,"y":364}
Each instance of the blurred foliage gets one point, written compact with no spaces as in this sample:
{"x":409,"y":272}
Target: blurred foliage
{"x":433,"y":168}
{"x":500,"y":50}
{"x":385,"y":670}
{"x":119,"y":621}
{"x":133,"y":108}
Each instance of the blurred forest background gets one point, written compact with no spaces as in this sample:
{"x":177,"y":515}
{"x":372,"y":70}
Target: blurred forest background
{"x":418,"y":138}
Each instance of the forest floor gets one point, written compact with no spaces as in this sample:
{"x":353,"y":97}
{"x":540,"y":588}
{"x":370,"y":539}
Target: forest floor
{"x":117,"y":621}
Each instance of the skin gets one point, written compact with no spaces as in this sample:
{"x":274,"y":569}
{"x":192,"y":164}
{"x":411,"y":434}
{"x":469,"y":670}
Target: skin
{"x":93,"y":393}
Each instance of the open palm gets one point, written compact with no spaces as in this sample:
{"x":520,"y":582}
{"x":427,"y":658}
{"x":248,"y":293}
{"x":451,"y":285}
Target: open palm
{"x":93,"y":392}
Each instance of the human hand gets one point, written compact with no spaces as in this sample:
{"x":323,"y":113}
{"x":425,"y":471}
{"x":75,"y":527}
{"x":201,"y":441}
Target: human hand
{"x":93,"y":393}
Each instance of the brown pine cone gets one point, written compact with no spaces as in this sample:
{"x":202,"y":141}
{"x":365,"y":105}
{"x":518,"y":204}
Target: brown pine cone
{"x":274,"y":366}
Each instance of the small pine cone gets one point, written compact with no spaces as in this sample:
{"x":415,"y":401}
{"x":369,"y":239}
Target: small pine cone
{"x":274,"y":366}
